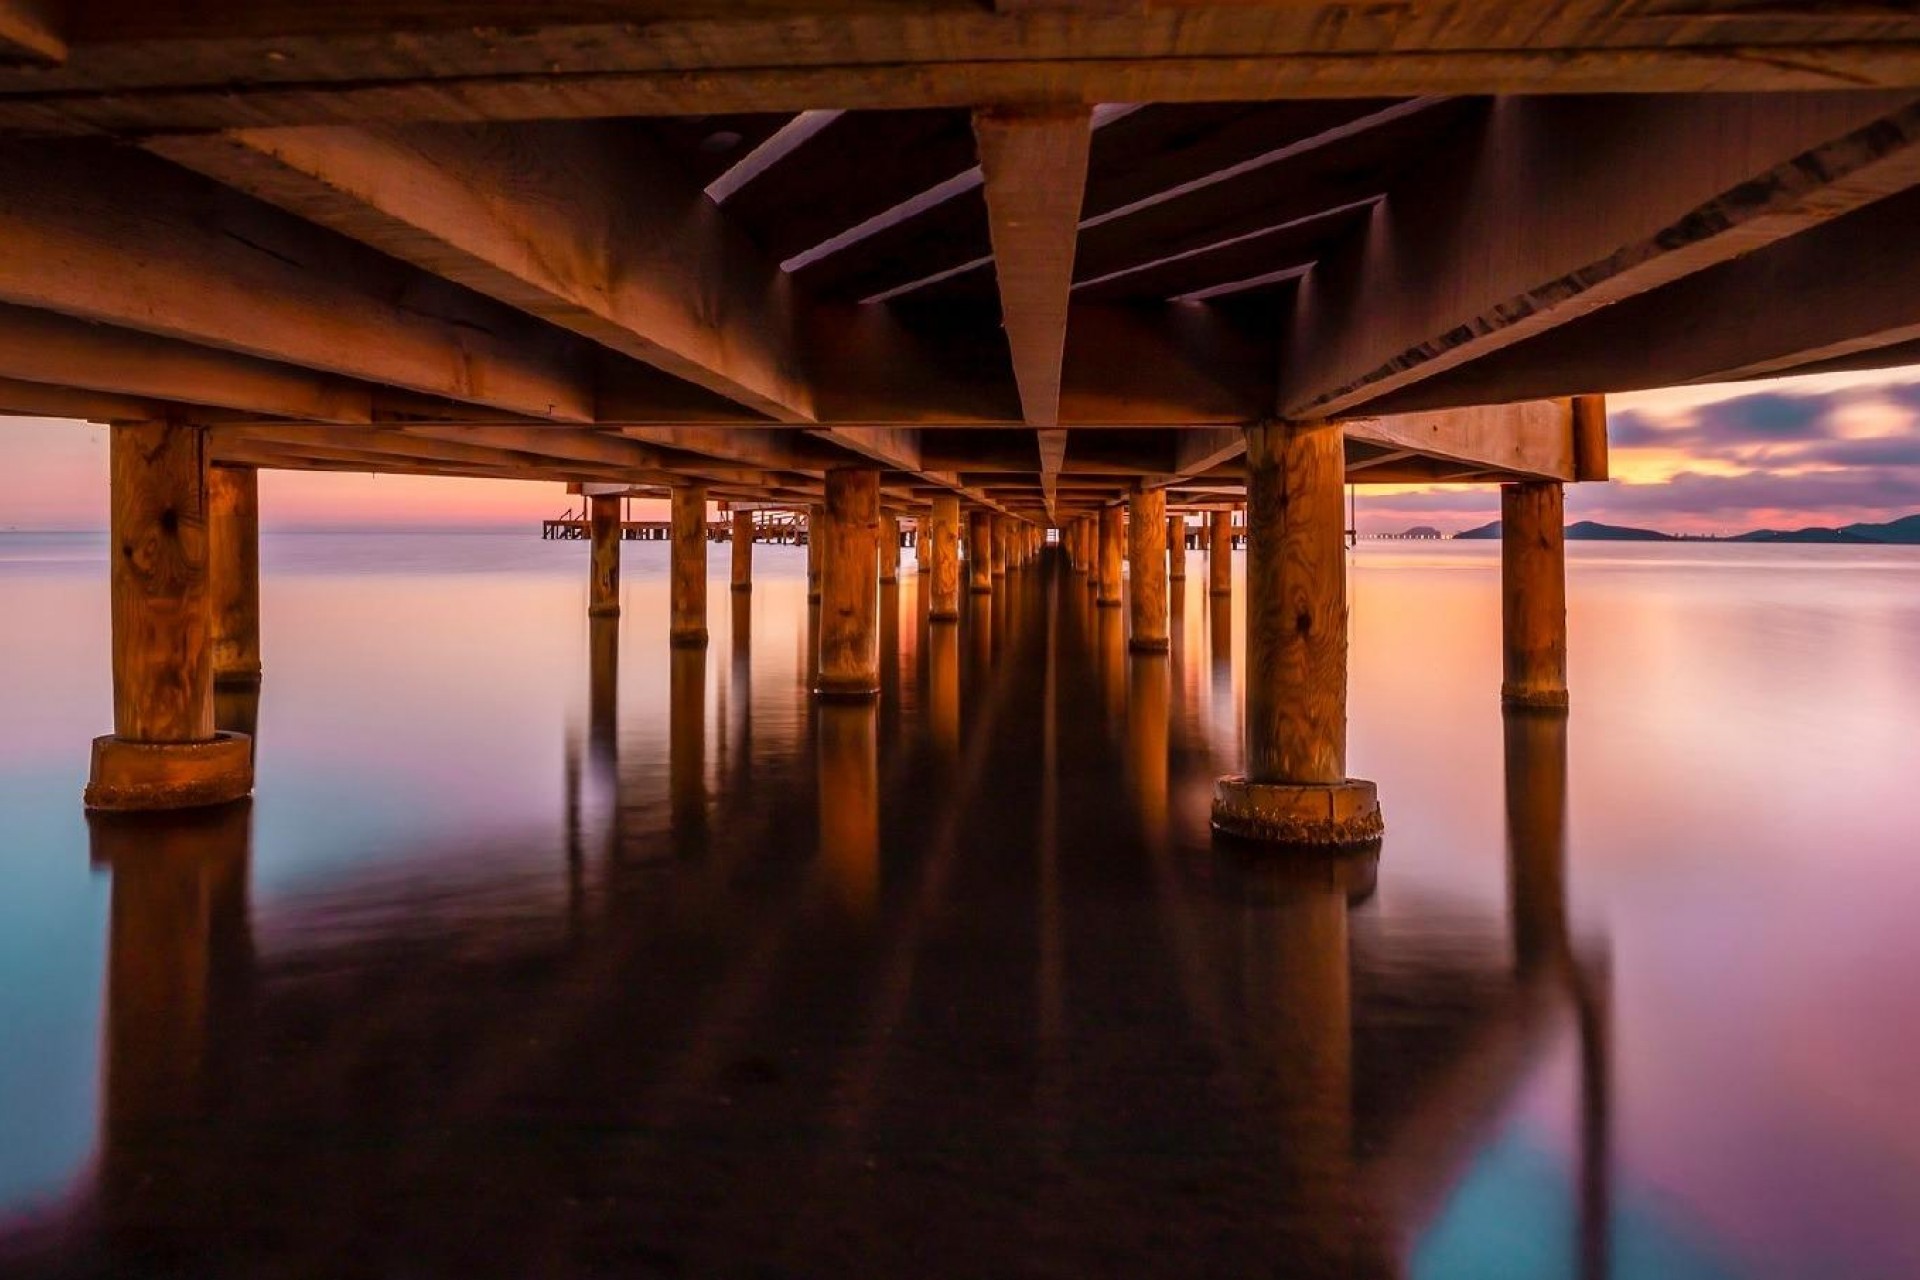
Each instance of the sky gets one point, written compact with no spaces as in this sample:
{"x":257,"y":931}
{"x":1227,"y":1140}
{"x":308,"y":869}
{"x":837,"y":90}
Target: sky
{"x":1826,"y":450}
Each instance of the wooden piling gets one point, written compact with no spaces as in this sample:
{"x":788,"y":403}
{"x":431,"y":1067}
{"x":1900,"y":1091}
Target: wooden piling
{"x":742,"y":550}
{"x":999,"y":543}
{"x":165,"y":751}
{"x":1147,"y":556}
{"x":603,"y":557}
{"x":1296,"y":790}
{"x":1533,"y":581}
{"x":850,"y":586}
{"x":939,"y":552}
{"x":233,"y":572}
{"x":1220,"y":553}
{"x":1111,"y":551}
{"x":816,"y":518}
{"x":889,"y":548}
{"x":688,"y":585}
{"x":979,"y":551}
{"x":1176,"y":548}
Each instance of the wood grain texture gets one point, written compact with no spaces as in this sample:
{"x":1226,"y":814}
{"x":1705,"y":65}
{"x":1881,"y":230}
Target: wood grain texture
{"x":161,"y":599}
{"x":741,"y":550}
{"x":1147,"y":566}
{"x":850,"y":586}
{"x":1533,"y":594}
{"x":233,"y":570}
{"x":1296,"y":605}
{"x":1034,"y":166}
{"x":603,"y":557}
{"x":1177,"y":548}
{"x":980,"y":551}
{"x":889,"y":548}
{"x":1220,"y":553}
{"x":1113,"y":550}
{"x":940,"y":558}
{"x":688,"y":584}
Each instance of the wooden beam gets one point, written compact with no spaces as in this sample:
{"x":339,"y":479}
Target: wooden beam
{"x":1459,"y":264}
{"x":29,"y":35}
{"x":1533,"y":439}
{"x":201,"y":67}
{"x":1053,"y":457}
{"x":129,"y":240}
{"x":43,"y":346}
{"x":591,"y":226}
{"x":1034,"y":165}
{"x":1831,"y":297}
{"x":39,"y":400}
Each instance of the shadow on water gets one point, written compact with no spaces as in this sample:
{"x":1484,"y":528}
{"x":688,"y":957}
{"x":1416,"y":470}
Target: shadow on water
{"x":957,"y":989}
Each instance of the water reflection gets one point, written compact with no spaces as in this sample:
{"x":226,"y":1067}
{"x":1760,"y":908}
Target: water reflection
{"x":1008,"y":1020}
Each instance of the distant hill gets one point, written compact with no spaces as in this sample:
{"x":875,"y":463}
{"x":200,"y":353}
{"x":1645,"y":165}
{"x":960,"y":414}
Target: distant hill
{"x":1583,"y":531}
{"x":1905,"y":531}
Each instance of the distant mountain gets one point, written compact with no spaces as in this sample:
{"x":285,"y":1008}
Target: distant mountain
{"x":1583,"y":531}
{"x":1815,"y":535}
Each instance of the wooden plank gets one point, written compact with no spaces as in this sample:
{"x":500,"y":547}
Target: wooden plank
{"x":1644,"y":191}
{"x":241,"y":69}
{"x":1035,"y":171}
{"x":1531,"y":439}
{"x":590,"y":226}
{"x":1053,"y":457}
{"x":129,"y":240}
{"x":43,"y":346}
{"x":29,"y":34}
{"x":39,"y":400}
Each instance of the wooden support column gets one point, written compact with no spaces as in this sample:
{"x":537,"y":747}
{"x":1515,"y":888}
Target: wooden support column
{"x":1220,"y":553}
{"x":688,"y":585}
{"x":603,"y":574}
{"x":1147,"y":555}
{"x":1533,"y":580}
{"x":999,"y":544}
{"x":980,"y":551}
{"x":164,"y":752}
{"x":816,"y":519}
{"x":1111,"y":536}
{"x":233,"y":571}
{"x":1296,"y":790}
{"x":1177,"y":548}
{"x":939,"y":553}
{"x":889,"y":548}
{"x":850,"y":586}
{"x":743,"y":551}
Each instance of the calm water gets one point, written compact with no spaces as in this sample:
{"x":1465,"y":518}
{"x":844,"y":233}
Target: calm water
{"x":542,"y":951}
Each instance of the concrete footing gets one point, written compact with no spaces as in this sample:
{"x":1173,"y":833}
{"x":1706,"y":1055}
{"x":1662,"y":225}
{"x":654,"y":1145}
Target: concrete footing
{"x":169,"y":775}
{"x":1340,"y":815}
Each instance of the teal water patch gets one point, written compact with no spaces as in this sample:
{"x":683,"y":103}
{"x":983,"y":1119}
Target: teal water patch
{"x":53,"y":922}
{"x":1515,"y":1216}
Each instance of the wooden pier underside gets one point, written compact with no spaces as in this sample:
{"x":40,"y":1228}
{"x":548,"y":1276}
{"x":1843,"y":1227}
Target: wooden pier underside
{"x":1036,"y":254}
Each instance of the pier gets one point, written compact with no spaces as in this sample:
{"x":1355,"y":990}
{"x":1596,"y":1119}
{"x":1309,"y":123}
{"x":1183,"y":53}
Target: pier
{"x":922,"y":283}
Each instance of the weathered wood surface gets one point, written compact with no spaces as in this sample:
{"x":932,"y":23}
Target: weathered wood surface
{"x":1296,"y":605}
{"x":233,"y":572}
{"x":687,"y":585}
{"x":1147,"y":566}
{"x":1220,"y":552}
{"x":740,"y":547}
{"x":1112,"y":554}
{"x":850,"y":586}
{"x":939,"y":552}
{"x":603,"y":563}
{"x":889,"y":548}
{"x":1177,"y":549}
{"x":1533,"y":593}
{"x":161,"y":601}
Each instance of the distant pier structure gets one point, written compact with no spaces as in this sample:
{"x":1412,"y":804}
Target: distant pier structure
{"x":1104,"y":277}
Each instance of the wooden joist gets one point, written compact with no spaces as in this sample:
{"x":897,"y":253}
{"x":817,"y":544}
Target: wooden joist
{"x":1461,"y":262}
{"x":590,"y":226}
{"x":1035,"y":169}
{"x":123,"y":239}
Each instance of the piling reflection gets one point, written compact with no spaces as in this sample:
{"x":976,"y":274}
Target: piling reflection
{"x":1058,"y":1004}
{"x":179,"y":957}
{"x":847,"y":736}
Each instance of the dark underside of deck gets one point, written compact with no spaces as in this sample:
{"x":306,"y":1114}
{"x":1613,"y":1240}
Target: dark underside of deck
{"x":1040,"y":256}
